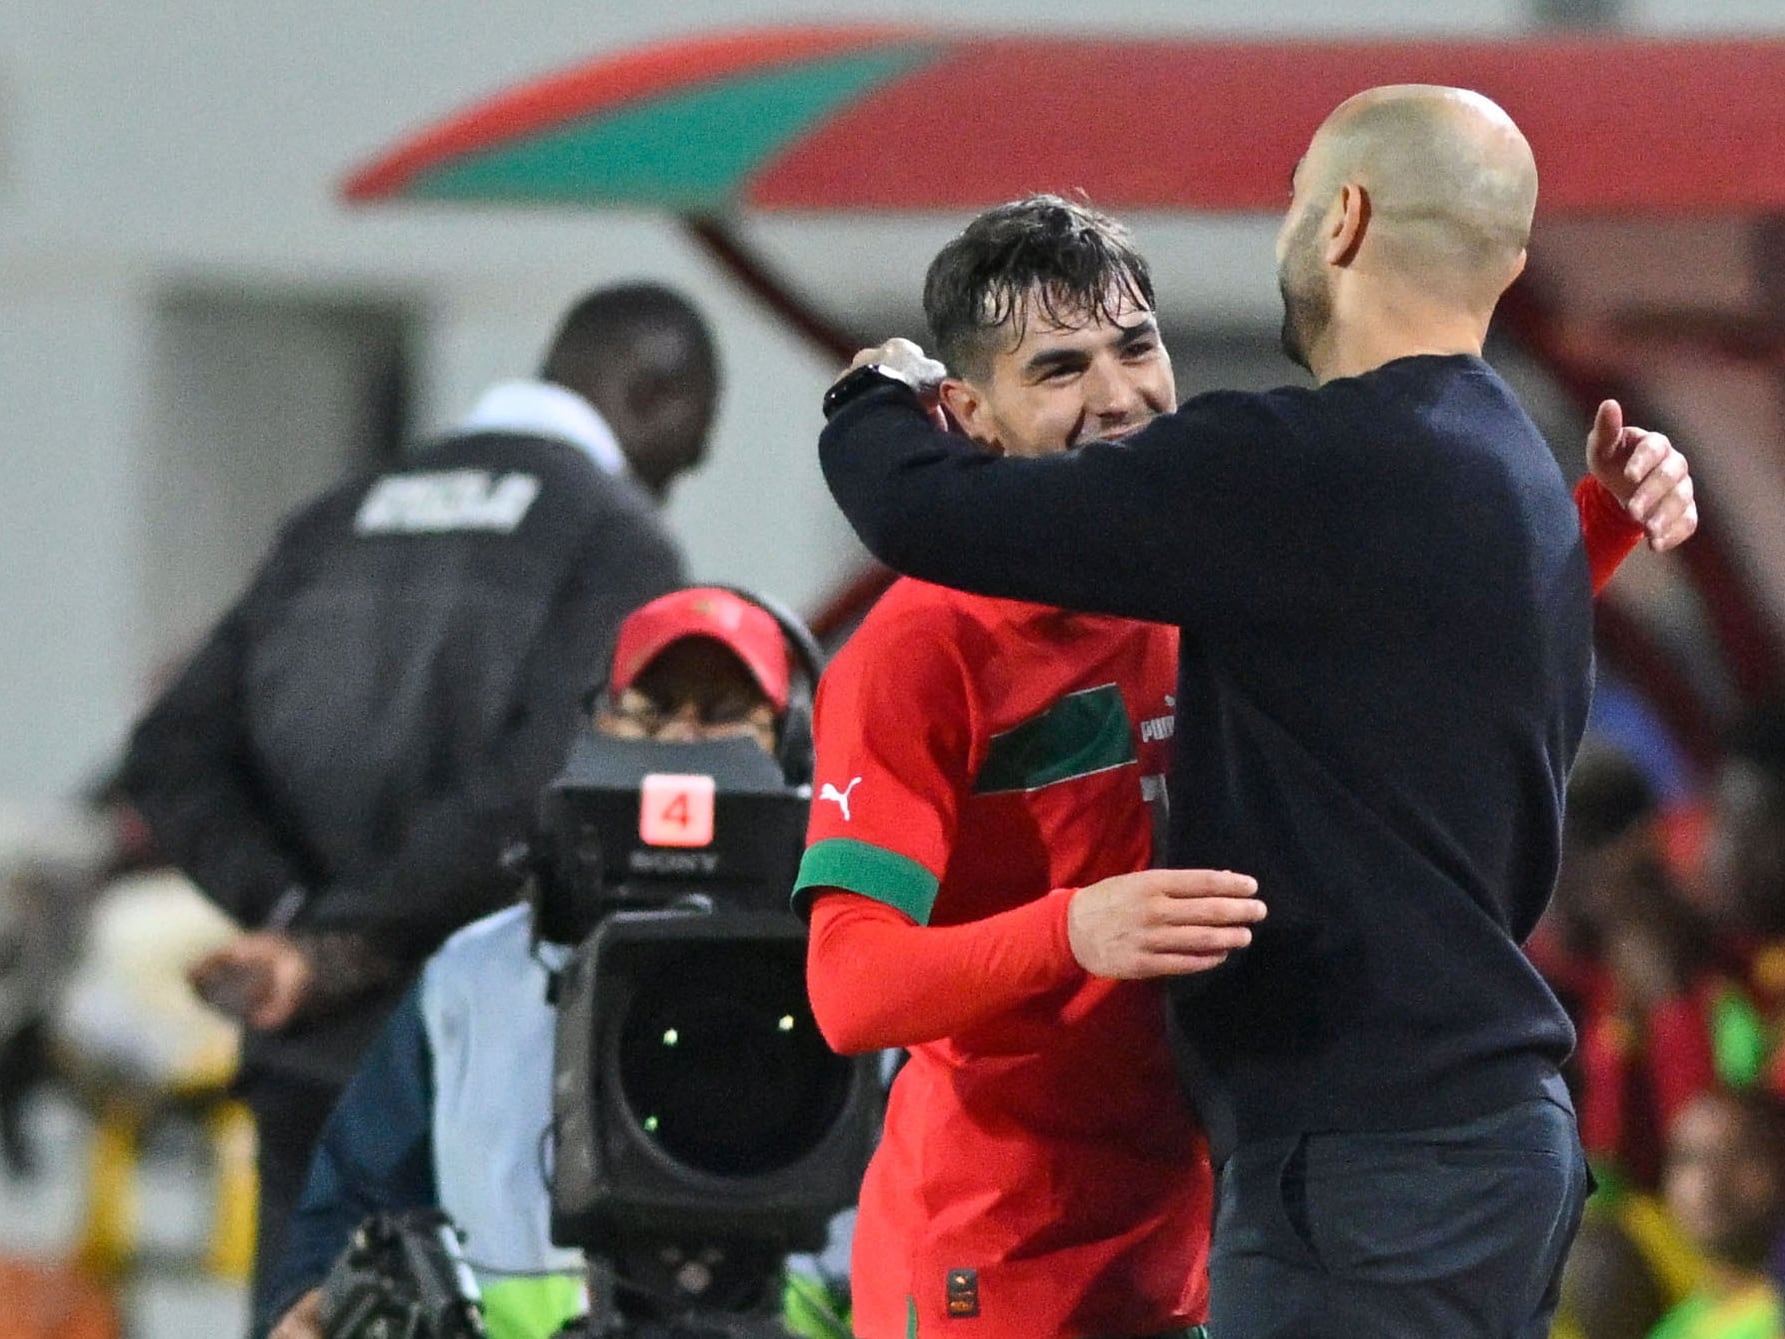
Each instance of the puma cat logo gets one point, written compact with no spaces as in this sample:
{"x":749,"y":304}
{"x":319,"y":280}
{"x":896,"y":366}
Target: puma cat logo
{"x":830,"y":792}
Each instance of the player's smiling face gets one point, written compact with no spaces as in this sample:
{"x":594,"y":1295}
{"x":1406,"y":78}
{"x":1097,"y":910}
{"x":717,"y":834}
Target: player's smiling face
{"x":1061,"y":382}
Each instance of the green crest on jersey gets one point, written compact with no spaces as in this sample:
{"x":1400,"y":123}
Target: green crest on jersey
{"x":1080,"y":735}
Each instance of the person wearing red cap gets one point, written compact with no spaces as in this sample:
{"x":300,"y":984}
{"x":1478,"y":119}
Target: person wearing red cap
{"x":449,"y":1106}
{"x":718,"y":661}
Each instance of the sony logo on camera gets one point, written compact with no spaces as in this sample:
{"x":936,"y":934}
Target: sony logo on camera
{"x":687,"y":863}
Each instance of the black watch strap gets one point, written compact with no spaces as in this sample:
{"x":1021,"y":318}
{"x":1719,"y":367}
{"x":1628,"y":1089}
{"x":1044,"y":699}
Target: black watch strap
{"x":856,"y":383}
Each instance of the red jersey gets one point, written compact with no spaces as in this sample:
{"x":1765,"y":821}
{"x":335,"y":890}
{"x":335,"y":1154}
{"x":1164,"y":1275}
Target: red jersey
{"x":1039,"y":1172}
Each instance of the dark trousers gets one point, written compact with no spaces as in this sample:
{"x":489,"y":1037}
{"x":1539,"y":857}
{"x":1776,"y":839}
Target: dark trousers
{"x":1451,"y":1233}
{"x":288,"y":1115}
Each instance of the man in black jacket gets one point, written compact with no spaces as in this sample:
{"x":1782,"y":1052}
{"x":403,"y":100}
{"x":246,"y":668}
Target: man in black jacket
{"x":344,"y":760}
{"x":1386,"y":666}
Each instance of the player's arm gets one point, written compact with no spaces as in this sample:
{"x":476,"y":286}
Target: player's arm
{"x":928,"y":982}
{"x":895,"y":760}
{"x":935,"y":981}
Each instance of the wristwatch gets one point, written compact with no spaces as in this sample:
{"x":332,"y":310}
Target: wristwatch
{"x":858,"y":382}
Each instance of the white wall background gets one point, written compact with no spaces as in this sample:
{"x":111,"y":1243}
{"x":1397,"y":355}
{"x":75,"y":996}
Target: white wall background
{"x":165,"y":165}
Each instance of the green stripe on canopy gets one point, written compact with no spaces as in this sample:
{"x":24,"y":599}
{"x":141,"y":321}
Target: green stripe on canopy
{"x":690,"y":151}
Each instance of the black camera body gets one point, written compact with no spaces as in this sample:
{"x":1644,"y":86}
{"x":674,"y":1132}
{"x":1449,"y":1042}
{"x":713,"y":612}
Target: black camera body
{"x":702,"y":1127}
{"x":637,"y":825}
{"x":403,"y":1276}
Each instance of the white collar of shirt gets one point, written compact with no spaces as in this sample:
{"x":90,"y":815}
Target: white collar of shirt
{"x":541,"y":409}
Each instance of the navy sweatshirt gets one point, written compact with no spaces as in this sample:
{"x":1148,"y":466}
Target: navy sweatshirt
{"x":1386,"y":668}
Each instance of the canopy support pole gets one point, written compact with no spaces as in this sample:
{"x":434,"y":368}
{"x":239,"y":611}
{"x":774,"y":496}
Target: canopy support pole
{"x":725,"y":248}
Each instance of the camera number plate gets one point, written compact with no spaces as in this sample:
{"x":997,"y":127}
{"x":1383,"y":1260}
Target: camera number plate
{"x":675,"y":810}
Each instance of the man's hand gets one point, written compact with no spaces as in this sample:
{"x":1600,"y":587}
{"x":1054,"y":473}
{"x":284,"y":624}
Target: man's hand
{"x":904,"y":360}
{"x":1648,"y":476}
{"x":303,"y":1321}
{"x":1161,"y":922}
{"x":911,"y":365}
{"x":262,"y":979}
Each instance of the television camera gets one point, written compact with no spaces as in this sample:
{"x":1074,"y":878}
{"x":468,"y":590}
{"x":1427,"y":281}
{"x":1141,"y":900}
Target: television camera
{"x":702,"y":1128}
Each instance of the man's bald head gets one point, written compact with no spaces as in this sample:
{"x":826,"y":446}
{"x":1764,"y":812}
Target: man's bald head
{"x":1412,"y":188}
{"x":1449,"y":177}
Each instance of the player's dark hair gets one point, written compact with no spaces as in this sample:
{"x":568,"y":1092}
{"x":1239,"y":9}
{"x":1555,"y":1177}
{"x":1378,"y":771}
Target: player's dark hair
{"x":1062,"y":256}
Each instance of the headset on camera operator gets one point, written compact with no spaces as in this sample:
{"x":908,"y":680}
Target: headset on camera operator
{"x":451,"y":1108}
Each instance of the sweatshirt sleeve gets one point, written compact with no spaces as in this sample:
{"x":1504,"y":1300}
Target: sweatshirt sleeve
{"x":1214,"y":512}
{"x":190,"y":773}
{"x":878,"y":980}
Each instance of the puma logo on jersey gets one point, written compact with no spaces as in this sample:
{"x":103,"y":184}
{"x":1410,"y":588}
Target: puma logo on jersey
{"x":446,"y":500}
{"x":1154,"y":729}
{"x":830,"y":792}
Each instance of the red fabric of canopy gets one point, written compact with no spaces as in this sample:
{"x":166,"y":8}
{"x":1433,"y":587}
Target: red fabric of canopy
{"x":957,"y":121}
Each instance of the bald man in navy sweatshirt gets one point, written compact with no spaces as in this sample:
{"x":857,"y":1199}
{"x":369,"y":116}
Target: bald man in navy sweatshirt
{"x":1387,"y":664}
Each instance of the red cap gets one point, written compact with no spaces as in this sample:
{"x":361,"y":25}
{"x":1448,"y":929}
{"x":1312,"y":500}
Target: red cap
{"x":746,"y":629}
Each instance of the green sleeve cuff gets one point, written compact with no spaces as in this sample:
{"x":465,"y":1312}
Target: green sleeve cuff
{"x":873,"y":871}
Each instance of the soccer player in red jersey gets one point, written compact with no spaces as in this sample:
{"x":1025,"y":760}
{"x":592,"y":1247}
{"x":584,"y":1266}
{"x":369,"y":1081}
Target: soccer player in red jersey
{"x":989,"y":778}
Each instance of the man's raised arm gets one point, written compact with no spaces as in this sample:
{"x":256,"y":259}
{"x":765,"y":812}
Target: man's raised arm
{"x":1174,"y":523}
{"x":1104,"y":528}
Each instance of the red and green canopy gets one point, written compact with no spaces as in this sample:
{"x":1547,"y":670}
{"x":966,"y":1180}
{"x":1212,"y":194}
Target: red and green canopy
{"x":890,"y":118}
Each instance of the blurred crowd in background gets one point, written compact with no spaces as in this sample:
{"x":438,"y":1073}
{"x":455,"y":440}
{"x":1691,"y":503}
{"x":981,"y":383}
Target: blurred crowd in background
{"x":1666,"y":942}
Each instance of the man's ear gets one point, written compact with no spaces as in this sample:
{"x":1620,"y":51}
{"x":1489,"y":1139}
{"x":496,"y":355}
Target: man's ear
{"x":1349,"y":221}
{"x":967,"y":407}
